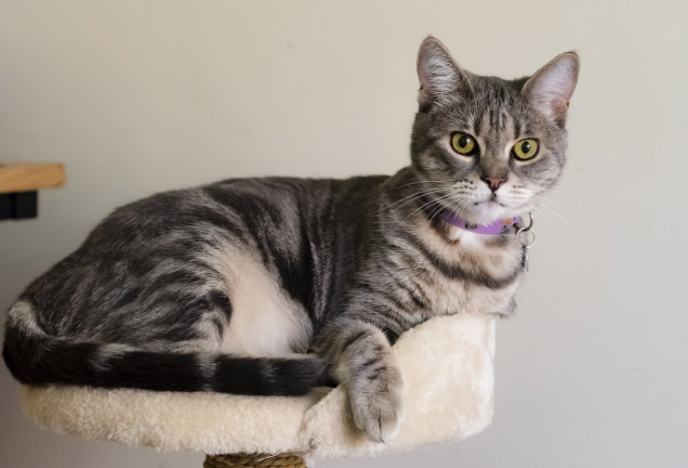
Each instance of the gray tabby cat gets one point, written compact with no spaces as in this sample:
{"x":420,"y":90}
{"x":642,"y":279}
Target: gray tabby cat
{"x":273,"y":286}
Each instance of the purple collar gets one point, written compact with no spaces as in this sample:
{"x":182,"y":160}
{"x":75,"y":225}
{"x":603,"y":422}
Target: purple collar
{"x":496,"y":227}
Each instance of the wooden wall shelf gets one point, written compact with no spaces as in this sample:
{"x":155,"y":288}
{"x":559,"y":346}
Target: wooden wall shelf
{"x":23,"y":177}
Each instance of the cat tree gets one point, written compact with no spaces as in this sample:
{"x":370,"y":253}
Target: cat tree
{"x":448,"y":368}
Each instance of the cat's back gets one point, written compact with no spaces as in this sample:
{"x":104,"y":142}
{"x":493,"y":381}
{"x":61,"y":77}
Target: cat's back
{"x":171,"y":241}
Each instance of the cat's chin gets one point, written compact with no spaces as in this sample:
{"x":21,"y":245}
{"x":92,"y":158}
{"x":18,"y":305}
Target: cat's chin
{"x":488,"y":212}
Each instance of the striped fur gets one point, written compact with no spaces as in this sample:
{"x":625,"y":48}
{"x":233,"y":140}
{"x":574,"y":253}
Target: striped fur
{"x":273,"y":286}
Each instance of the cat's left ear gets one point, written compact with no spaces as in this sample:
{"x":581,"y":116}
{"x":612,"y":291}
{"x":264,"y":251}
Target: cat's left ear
{"x":551,"y":88}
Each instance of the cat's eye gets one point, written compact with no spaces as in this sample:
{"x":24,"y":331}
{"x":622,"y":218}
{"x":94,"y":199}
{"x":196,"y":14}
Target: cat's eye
{"x":525,"y":149}
{"x":464,"y":144}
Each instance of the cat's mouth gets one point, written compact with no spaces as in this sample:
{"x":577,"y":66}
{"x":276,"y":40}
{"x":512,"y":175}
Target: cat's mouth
{"x":490,"y":203}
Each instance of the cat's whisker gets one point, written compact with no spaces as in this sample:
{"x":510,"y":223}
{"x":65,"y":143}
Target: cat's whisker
{"x":545,"y":218}
{"x":531,"y":206}
{"x":429,"y":192}
{"x":460,"y":205}
{"x":438,"y":209}
{"x":548,"y":200}
{"x":452,"y":199}
{"x":427,"y":182}
{"x":564,"y":219}
{"x":424,"y":205}
{"x":577,"y":196}
{"x":418,"y":194}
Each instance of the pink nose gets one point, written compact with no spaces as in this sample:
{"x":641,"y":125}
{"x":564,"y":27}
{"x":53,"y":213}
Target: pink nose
{"x":494,"y":182}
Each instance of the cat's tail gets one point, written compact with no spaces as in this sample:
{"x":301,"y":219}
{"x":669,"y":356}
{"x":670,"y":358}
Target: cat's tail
{"x":36,"y":358}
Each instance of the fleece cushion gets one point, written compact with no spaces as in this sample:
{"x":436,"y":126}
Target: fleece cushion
{"x":448,"y":368}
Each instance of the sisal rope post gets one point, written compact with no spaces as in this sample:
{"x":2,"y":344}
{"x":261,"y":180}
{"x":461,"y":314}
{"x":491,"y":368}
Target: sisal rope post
{"x":255,"y":460}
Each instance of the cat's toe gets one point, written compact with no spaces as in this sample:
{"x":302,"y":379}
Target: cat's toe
{"x":381,"y":418}
{"x":378,"y":407}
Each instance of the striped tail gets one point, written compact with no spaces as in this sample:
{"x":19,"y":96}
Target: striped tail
{"x":35,"y":358}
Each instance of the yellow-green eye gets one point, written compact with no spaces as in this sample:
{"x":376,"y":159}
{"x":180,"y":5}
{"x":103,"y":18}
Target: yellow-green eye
{"x":525,"y":149}
{"x":464,"y":144}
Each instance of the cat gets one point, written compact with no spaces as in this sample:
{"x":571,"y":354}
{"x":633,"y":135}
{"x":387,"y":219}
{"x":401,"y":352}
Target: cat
{"x":272,"y":286}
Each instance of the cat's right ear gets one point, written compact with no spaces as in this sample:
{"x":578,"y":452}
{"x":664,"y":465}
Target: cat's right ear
{"x":439,"y":74}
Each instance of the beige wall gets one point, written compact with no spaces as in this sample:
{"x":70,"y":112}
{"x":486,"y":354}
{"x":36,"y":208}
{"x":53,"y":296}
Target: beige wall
{"x":139,"y":96}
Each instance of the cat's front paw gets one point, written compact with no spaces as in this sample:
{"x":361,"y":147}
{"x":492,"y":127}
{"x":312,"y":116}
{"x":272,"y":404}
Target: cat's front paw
{"x":377,"y":402}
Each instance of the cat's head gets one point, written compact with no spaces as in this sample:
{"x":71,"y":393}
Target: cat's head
{"x":485,"y":147}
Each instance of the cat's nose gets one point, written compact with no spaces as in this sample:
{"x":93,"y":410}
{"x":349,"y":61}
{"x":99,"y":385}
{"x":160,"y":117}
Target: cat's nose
{"x":494,"y":182}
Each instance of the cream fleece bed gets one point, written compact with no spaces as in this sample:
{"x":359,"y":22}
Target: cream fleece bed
{"x":448,"y":369}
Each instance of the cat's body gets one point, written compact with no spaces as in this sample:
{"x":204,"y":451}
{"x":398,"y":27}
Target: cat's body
{"x":216,"y":288}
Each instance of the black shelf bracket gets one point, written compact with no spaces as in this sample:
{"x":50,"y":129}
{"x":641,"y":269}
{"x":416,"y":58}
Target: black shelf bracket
{"x":20,"y":205}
